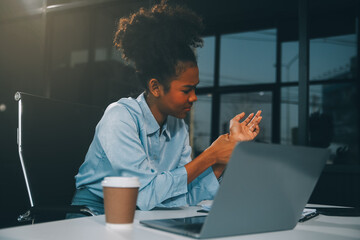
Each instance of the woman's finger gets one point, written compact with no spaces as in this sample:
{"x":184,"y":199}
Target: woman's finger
{"x":257,"y":120}
{"x":257,"y":129}
{"x":248,"y":119}
{"x":252,"y":127}
{"x":258,"y":113}
{"x":238,"y":117}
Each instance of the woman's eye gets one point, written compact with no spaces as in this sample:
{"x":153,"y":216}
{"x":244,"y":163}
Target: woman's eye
{"x":186,"y":91}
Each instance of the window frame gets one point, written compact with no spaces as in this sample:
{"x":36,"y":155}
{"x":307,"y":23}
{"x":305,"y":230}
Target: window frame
{"x":275,"y":88}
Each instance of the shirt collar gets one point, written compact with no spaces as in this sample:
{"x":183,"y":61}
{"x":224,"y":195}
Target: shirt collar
{"x":151,"y":124}
{"x":166,"y":131}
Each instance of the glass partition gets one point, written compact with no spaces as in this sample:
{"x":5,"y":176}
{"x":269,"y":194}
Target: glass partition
{"x":289,"y":115}
{"x":206,"y":62}
{"x":248,"y":58}
{"x":333,"y":121}
{"x":333,"y":57}
{"x":290,"y":61}
{"x":200,"y":124}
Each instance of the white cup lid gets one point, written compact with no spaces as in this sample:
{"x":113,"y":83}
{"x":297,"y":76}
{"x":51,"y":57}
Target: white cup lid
{"x":130,"y":182}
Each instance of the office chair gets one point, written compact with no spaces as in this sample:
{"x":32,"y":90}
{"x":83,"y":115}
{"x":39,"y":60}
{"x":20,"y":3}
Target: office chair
{"x":53,"y":138}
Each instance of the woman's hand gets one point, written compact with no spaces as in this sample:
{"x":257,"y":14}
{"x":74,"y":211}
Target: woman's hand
{"x":246,"y":130}
{"x":222,"y":148}
{"x":219,"y":152}
{"x":215,"y":156}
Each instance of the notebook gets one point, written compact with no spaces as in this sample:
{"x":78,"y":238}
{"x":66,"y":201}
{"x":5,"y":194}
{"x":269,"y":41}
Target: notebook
{"x":264,"y":188}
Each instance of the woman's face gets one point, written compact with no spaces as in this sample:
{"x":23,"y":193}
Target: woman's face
{"x":178,"y":100}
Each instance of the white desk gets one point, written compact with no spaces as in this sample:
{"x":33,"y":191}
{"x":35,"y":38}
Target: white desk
{"x":88,"y":228}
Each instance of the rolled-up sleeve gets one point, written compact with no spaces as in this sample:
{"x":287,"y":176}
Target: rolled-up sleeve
{"x":205,"y":186}
{"x":119,"y":137}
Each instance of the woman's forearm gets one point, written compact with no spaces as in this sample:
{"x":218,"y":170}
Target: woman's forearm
{"x":198,"y":165}
{"x":217,"y":155}
{"x":218,"y":169}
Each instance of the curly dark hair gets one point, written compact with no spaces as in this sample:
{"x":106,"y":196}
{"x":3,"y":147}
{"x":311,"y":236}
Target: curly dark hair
{"x":159,"y":41}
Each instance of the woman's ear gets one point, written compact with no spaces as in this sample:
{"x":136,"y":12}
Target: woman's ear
{"x":154,"y":87}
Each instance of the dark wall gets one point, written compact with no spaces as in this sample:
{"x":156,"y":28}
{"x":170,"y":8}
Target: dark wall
{"x":64,"y":54}
{"x":21,"y":69}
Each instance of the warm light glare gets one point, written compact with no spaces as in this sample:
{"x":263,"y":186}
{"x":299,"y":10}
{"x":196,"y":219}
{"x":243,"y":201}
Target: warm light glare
{"x":53,"y":6}
{"x":2,"y":107}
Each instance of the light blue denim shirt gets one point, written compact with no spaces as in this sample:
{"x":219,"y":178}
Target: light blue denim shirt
{"x":128,"y":142}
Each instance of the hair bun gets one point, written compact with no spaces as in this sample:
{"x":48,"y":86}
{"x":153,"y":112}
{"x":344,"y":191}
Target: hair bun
{"x":155,"y":40}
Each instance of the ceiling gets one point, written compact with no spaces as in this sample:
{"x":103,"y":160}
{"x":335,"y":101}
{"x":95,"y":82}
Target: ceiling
{"x":219,"y":16}
{"x":238,"y":15}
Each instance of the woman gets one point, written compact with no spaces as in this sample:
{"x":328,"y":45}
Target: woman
{"x":147,"y":137}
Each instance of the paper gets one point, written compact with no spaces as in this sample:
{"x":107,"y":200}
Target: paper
{"x":307,"y":211}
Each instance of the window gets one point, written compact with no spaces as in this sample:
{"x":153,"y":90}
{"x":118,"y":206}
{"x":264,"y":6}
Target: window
{"x":333,"y":57}
{"x":334,"y":121}
{"x":206,"y":62}
{"x":247,"y":63}
{"x":200,"y":128}
{"x":290,"y":62}
{"x":248,"y":58}
{"x":289,"y":115}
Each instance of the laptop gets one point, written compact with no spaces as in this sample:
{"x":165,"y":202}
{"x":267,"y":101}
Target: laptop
{"x":265,"y":188}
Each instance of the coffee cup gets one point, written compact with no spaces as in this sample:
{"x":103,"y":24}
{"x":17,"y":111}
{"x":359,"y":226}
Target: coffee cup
{"x":120,"y":195}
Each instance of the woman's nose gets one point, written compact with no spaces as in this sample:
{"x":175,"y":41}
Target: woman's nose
{"x":193,"y":97}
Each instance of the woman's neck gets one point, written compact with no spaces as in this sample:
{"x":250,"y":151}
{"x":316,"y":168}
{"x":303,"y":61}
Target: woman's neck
{"x":152,"y":103}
